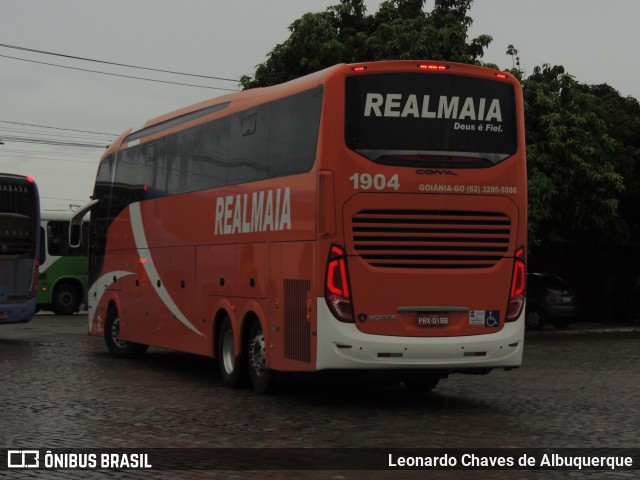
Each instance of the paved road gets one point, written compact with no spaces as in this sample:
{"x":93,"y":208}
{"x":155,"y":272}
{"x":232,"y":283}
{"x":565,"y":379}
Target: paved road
{"x":60,"y":389}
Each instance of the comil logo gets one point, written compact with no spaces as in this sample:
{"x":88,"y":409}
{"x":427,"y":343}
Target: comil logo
{"x":23,"y":458}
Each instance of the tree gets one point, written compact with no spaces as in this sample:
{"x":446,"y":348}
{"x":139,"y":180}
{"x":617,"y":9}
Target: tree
{"x":575,"y":184}
{"x":343,"y":33}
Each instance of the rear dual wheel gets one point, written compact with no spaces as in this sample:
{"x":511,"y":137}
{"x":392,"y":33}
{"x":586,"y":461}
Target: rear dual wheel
{"x":262,"y":378}
{"x":250,"y":365}
{"x":232,"y":367}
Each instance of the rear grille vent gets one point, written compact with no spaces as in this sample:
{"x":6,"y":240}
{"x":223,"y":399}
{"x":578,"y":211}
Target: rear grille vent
{"x":431,"y":238}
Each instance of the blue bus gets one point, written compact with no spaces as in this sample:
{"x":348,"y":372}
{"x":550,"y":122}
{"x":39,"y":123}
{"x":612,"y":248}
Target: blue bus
{"x":20,"y":251}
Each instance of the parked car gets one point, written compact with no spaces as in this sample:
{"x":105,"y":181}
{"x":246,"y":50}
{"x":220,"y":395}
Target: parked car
{"x":549,"y":299}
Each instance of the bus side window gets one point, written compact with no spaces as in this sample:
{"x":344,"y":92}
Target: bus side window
{"x":57,"y":239}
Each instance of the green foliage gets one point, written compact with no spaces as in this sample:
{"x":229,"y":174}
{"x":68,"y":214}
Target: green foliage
{"x":344,"y":33}
{"x":583,"y":141}
{"x":576,"y":183}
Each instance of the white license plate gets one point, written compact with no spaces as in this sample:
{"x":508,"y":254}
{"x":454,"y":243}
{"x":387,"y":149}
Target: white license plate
{"x":432,"y":319}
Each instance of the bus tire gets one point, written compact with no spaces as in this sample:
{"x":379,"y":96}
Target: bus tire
{"x":232,"y":368}
{"x":66,"y":299}
{"x":117,"y":347}
{"x":262,"y":378}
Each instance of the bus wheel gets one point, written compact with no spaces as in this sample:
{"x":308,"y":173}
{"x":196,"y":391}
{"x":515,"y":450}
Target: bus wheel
{"x":231,"y":366}
{"x":262,"y":378}
{"x":118,"y":347}
{"x":66,"y":299}
{"x":420,"y":382}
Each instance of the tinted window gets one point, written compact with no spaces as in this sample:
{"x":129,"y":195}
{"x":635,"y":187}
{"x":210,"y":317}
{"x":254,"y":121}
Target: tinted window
{"x":271,"y":140}
{"x":210,"y":154}
{"x":18,"y":195}
{"x":554,"y":283}
{"x":58,"y":239}
{"x":425,"y":118}
{"x":19,"y":212}
{"x":293,"y":136}
{"x":177,"y":162}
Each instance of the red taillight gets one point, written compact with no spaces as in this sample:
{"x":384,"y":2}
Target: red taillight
{"x":517,"y":293}
{"x":337,"y":293}
{"x":359,"y":68}
{"x":501,"y":76}
{"x":432,"y":67}
{"x":30,"y":179}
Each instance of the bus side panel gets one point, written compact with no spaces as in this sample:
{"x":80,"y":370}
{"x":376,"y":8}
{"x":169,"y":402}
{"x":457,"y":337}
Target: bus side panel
{"x":292,"y":331}
{"x":139,"y":297}
{"x":251,"y":269}
{"x":160,"y":309}
{"x":100,"y":293}
{"x":216,"y":267}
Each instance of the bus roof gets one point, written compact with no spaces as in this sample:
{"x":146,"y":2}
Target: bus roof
{"x":241,"y":100}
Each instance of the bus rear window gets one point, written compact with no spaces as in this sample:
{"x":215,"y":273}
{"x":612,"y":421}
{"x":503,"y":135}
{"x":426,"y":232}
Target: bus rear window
{"x":18,"y":196}
{"x":430,"y":119}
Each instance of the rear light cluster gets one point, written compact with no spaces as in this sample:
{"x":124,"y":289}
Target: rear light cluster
{"x":517,"y":292}
{"x":35,"y":277}
{"x":336,"y":291}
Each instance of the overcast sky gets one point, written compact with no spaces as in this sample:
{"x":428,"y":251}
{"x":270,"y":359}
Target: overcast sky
{"x":596,"y":41}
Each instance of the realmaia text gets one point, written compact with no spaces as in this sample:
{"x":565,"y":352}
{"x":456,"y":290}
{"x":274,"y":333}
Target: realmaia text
{"x":263,"y":211}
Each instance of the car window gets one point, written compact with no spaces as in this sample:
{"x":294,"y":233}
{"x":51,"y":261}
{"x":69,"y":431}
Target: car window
{"x":554,"y":283}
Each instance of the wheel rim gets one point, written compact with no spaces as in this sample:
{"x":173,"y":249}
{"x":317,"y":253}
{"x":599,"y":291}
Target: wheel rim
{"x":65,"y":299}
{"x":257,"y":359}
{"x":534,"y":319}
{"x":228,"y":352}
{"x":115,"y":333}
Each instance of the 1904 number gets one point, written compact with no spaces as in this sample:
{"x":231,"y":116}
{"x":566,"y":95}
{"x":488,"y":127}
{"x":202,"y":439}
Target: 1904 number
{"x":366,"y":181}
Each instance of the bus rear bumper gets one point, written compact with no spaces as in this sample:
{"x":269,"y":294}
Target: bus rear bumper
{"x":17,"y":313}
{"x":343,"y":346}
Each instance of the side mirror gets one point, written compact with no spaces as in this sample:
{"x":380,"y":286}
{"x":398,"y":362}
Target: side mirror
{"x":75,"y":235}
{"x":75,"y":225}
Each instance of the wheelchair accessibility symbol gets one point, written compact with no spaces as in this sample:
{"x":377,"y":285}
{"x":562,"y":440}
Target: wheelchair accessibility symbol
{"x":492,"y":319}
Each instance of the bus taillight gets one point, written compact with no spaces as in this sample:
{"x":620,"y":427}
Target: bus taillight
{"x":35,"y":277}
{"x":433,"y":67}
{"x":517,"y":292}
{"x":337,"y":293}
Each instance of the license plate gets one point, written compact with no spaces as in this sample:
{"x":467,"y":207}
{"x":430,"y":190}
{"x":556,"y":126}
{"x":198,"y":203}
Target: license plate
{"x":432,"y":319}
{"x":566,"y":299}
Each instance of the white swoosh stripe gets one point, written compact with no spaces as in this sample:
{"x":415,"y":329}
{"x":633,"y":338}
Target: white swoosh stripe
{"x":106,"y":280}
{"x":150,"y":268}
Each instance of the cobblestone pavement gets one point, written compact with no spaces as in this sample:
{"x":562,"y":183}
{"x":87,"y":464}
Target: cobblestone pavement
{"x":61,"y":389}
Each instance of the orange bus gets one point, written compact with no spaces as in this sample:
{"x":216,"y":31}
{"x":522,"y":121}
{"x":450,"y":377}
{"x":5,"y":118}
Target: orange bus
{"x":365,"y":217}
